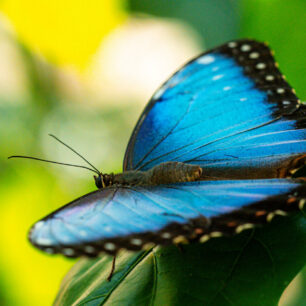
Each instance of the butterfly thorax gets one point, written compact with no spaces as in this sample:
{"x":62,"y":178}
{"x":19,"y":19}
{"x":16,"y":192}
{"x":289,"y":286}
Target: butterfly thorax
{"x":164,"y":173}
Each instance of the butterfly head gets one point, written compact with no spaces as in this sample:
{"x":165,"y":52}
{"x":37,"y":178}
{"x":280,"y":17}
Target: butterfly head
{"x":103,"y":180}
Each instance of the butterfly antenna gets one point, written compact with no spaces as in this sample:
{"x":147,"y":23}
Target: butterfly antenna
{"x":51,"y":135}
{"x":53,"y":162}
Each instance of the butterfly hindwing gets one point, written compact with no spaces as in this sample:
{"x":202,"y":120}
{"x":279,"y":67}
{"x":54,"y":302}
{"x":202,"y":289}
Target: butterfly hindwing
{"x":229,"y":110}
{"x":121,"y":217}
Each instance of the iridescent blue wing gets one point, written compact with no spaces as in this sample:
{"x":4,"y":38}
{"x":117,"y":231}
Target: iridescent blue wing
{"x":230,"y":111}
{"x":117,"y":217}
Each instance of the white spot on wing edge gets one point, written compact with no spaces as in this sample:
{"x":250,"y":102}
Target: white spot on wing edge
{"x":166,"y":235}
{"x":68,"y":251}
{"x":302,"y":204}
{"x":89,"y":249}
{"x":43,"y":241}
{"x":109,"y":246}
{"x":254,"y":55}
{"x":136,"y":241}
{"x":204,"y":238}
{"x":261,"y":66}
{"x":280,"y":90}
{"x":49,"y":250}
{"x":215,"y":234}
{"x":244,"y":227}
{"x":269,"y":77}
{"x":280,"y":213}
{"x":227,"y":88}
{"x":245,"y":48}
{"x":206,"y":59}
{"x":232,"y":44}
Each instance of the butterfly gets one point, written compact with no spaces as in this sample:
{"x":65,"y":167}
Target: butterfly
{"x":212,"y":154}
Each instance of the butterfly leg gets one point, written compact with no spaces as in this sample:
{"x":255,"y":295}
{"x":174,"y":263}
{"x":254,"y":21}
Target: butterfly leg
{"x":112,"y":269}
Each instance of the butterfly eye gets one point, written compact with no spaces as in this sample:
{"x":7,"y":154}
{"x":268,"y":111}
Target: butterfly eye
{"x":99,"y":181}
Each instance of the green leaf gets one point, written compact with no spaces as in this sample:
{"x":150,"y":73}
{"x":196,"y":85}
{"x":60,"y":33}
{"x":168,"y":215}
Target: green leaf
{"x":252,"y":268}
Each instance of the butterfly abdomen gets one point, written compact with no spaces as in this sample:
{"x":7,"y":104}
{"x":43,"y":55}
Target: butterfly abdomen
{"x":164,"y":173}
{"x":173,"y":172}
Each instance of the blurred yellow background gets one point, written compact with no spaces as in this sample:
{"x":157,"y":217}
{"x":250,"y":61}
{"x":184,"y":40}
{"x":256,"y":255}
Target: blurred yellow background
{"x":83,"y":70}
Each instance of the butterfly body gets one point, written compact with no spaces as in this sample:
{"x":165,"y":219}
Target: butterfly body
{"x":213,"y":153}
{"x":164,"y":173}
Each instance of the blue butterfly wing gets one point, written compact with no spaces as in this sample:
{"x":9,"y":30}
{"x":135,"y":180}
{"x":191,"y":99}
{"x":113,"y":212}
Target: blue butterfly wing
{"x":230,"y":111}
{"x":116,"y":217}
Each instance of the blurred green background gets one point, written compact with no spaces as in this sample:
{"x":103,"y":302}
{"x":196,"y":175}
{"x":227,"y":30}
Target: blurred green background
{"x":84,"y":71}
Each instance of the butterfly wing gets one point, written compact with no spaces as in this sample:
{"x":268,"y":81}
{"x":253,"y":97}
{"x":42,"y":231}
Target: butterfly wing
{"x":230,"y":111}
{"x":117,"y":217}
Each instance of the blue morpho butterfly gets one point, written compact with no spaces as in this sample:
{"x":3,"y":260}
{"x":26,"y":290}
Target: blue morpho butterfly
{"x":213,"y":153}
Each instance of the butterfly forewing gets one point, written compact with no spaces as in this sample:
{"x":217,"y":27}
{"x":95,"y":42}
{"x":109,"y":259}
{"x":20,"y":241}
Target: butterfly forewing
{"x":230,"y":110}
